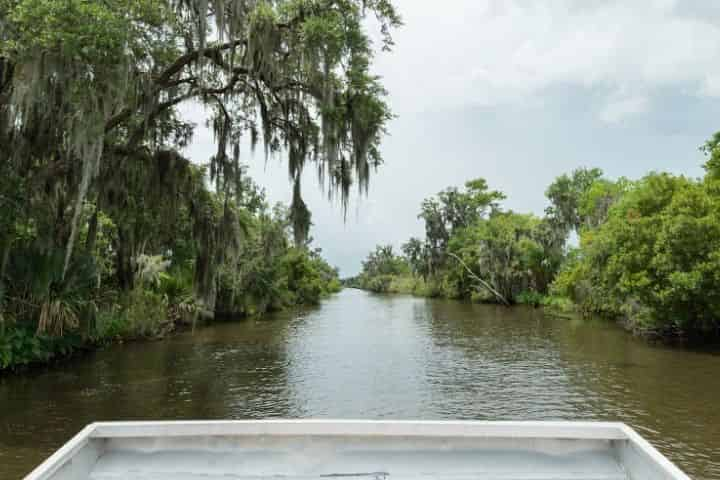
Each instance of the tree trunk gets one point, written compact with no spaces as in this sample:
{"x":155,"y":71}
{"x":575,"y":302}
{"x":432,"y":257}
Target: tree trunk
{"x":92,"y":233}
{"x":124,"y":261}
{"x":4,"y":259}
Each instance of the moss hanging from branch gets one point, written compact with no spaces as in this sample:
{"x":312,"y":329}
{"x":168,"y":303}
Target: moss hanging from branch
{"x":300,"y":216}
{"x":90,"y":87}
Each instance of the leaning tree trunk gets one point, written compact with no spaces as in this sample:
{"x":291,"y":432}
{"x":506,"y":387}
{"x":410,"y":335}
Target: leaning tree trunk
{"x":485,"y":284}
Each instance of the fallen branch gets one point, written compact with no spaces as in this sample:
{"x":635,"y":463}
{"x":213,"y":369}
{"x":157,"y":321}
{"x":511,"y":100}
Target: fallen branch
{"x":482,"y":282}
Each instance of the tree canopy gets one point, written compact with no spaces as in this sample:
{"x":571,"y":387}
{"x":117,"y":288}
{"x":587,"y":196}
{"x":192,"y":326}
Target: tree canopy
{"x":92,"y":85}
{"x":94,"y":187}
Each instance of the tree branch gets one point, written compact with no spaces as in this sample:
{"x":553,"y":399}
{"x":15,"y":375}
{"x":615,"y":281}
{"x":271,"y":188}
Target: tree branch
{"x":483,"y":282}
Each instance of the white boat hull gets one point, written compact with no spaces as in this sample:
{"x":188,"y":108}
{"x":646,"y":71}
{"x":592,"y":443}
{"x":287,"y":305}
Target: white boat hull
{"x":362,"y":450}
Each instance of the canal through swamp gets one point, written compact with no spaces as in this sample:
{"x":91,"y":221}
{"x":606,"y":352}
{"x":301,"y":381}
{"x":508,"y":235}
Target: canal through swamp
{"x":360,"y":355}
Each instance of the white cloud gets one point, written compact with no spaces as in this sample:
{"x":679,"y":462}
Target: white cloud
{"x":495,"y":52}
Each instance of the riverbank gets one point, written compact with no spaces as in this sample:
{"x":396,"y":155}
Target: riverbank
{"x":22,"y":348}
{"x":550,"y":304}
{"x":417,"y":286}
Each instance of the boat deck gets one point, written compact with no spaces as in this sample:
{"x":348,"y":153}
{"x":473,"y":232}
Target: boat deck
{"x":370,"y":465}
{"x":357,"y":450}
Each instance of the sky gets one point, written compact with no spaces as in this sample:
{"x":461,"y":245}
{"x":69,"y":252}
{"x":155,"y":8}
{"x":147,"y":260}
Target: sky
{"x":520,"y":92}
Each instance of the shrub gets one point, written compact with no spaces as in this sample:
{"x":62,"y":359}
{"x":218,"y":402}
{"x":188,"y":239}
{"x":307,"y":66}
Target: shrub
{"x":20,"y":346}
{"x":147,"y":314}
{"x":111,"y":324}
{"x":139,"y":314}
{"x":530,"y":297}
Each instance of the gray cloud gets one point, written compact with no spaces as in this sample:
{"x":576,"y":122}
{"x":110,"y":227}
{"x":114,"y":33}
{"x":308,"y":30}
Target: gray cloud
{"x":499,"y":52}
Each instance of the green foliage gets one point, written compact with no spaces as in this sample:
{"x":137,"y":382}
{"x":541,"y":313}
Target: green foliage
{"x":41,"y":292}
{"x":93,"y":89}
{"x":21,"y":347}
{"x":270,"y":273}
{"x":654,"y":260}
{"x":383,"y":261}
{"x":451,"y":211}
{"x":472,"y":250}
{"x":106,"y":231}
{"x":304,"y":279}
{"x":137,"y":314}
{"x":566,"y":195}
{"x":506,"y":252}
{"x":146,"y":314}
{"x":649,"y":249}
{"x":380,"y":269}
{"x":111,"y":325}
{"x":531,"y":297}
{"x":87,"y":30}
{"x":712,"y":150}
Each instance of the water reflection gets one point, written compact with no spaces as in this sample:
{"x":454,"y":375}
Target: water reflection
{"x":361,"y":356}
{"x":367,"y":356}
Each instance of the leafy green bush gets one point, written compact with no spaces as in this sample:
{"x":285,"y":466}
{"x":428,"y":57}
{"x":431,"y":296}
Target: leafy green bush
{"x":111,"y":324}
{"x":378,"y":284}
{"x":138,"y":314}
{"x":334,"y":286}
{"x":303,"y":278}
{"x":147,"y":314}
{"x":530,"y":297}
{"x":20,"y":346}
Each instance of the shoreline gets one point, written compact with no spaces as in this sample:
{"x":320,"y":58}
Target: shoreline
{"x":88,"y":346}
{"x":695,"y":340}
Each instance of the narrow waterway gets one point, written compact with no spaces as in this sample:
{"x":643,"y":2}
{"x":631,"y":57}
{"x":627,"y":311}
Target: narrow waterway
{"x":366,"y":356}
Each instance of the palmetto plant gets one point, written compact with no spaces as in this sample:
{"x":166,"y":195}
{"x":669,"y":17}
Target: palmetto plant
{"x":41,"y":295}
{"x":56,"y":314}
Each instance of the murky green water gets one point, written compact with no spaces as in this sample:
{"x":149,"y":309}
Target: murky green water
{"x":366,"y":356}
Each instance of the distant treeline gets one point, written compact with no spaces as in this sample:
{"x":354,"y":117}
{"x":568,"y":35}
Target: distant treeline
{"x":649,"y":249}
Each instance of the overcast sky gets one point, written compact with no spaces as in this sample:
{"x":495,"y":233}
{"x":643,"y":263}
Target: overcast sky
{"x":519,"y":92}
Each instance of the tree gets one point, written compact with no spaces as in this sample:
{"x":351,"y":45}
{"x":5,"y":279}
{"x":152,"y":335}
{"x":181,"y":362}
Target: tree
{"x":416,"y":254}
{"x":383,"y":261}
{"x":453,"y":210}
{"x":436,"y":232}
{"x":90,"y":96}
{"x":711,"y":149}
{"x":507,"y":253}
{"x":595,"y":202}
{"x":565,"y":195}
{"x":86,"y":86}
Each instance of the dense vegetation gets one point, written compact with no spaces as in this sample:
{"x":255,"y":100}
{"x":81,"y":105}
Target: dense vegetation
{"x":106,"y":230}
{"x":472,"y":249}
{"x":648,"y":253}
